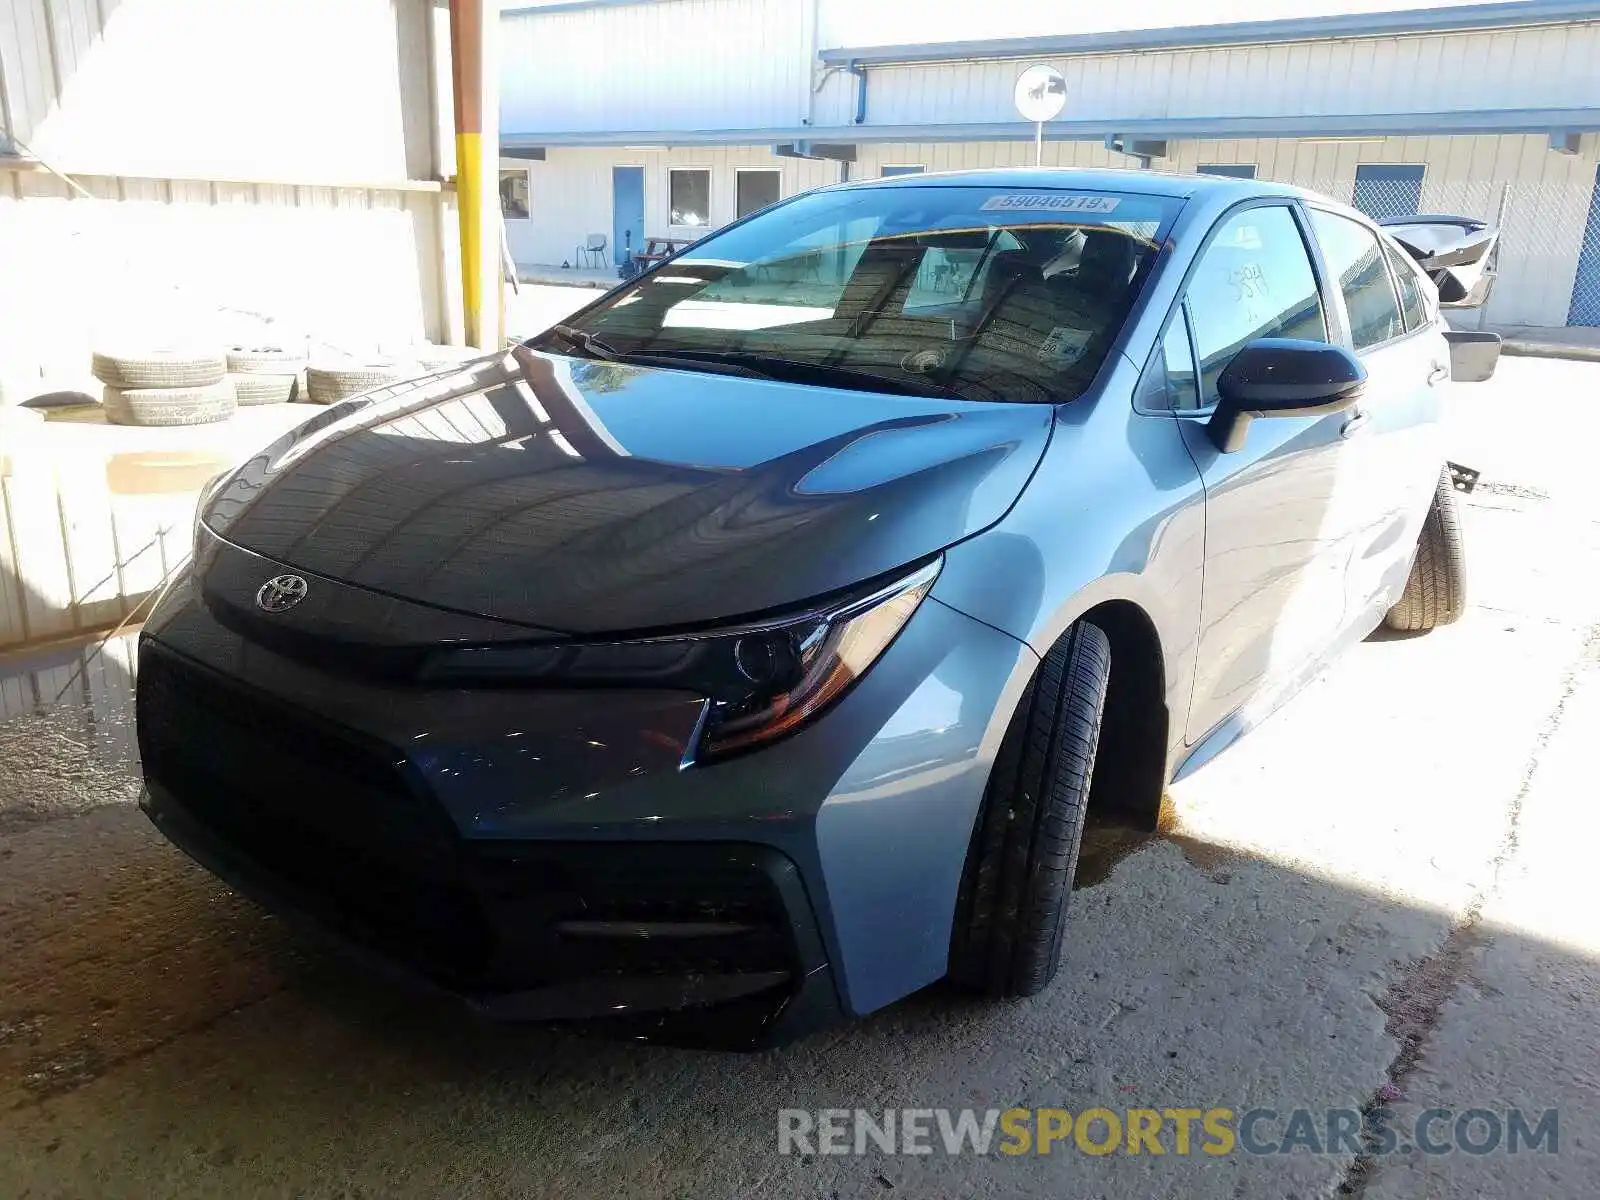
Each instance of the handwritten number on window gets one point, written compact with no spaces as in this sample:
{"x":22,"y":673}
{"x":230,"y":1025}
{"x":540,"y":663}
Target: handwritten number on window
{"x":1249,"y":282}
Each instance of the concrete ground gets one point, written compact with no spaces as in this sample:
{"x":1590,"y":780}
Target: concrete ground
{"x":559,"y":276}
{"x":1385,"y":896}
{"x":534,"y":307}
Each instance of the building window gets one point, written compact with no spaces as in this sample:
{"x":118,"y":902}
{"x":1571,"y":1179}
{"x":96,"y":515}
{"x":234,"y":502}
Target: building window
{"x":514,"y":194}
{"x":754,"y":190}
{"x":886,"y":172}
{"x":1229,"y":170}
{"x":1383,"y":190}
{"x":689,"y":197}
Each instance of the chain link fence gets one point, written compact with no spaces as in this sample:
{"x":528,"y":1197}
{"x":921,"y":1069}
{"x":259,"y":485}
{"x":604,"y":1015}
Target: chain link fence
{"x":1549,"y":255}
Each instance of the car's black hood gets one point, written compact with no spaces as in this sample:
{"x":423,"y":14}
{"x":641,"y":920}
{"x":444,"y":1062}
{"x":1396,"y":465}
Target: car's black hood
{"x":591,"y":497}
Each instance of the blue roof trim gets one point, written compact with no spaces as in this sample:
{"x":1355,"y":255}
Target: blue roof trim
{"x":1291,"y":29}
{"x":1504,"y":120}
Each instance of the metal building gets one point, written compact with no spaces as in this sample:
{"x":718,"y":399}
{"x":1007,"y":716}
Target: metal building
{"x":627,"y":119}
{"x":271,"y":157}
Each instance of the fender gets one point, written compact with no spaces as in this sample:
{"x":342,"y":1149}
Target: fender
{"x":1062,"y":549}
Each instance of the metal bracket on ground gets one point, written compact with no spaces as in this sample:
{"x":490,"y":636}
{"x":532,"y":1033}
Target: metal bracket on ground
{"x":1464,"y":479}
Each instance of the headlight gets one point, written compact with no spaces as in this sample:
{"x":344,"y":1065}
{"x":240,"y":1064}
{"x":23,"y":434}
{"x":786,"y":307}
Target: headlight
{"x":762,"y":680}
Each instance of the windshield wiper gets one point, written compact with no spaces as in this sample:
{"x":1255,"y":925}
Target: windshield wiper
{"x":589,"y":344}
{"x":794,"y":370}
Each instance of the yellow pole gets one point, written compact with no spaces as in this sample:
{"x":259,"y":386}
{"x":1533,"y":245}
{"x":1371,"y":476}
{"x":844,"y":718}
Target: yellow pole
{"x":476,"y":191}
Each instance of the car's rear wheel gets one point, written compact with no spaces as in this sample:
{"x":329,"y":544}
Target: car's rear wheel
{"x":1013,"y":900}
{"x":1436,"y":590}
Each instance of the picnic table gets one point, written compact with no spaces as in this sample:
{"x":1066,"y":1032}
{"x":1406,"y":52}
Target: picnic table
{"x":658,"y":249}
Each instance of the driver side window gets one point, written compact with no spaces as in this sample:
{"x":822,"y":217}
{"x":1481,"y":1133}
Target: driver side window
{"x":1254,"y":280}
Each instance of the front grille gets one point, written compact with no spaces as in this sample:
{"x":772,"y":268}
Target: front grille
{"x":326,"y":810}
{"x":346,"y":824}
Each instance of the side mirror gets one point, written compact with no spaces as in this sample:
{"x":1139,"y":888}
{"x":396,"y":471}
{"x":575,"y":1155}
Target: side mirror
{"x":1473,"y":355}
{"x":1282,"y":377}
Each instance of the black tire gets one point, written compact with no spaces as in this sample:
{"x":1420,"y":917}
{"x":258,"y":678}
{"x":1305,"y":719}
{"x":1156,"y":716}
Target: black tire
{"x":329,"y":385}
{"x":1436,"y":590}
{"x":255,"y":388}
{"x":1012,"y":905}
{"x":158,"y":369}
{"x":170,"y":406}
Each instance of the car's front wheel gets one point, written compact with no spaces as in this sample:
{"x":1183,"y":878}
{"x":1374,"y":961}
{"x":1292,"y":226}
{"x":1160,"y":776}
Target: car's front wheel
{"x":1436,"y":590}
{"x":1013,"y":899}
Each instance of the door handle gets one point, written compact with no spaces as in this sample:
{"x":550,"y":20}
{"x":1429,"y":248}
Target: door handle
{"x":1357,"y":422}
{"x":1439,"y":374}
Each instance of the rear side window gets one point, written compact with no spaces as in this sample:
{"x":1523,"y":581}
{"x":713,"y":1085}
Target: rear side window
{"x":1412,"y":307}
{"x":1254,"y":280}
{"x":1356,"y":260}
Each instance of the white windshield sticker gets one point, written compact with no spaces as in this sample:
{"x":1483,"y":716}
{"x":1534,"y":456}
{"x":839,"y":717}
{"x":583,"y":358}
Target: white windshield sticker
{"x":1061,"y":202}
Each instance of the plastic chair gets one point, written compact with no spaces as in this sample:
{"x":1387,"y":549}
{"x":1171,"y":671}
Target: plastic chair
{"x":594,"y":248}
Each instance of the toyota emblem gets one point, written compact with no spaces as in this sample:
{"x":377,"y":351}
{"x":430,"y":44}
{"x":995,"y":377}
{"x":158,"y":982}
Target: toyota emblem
{"x":281,"y":593}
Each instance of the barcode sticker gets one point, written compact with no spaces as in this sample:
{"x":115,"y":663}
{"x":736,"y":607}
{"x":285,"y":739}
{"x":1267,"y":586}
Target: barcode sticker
{"x":1061,"y":202}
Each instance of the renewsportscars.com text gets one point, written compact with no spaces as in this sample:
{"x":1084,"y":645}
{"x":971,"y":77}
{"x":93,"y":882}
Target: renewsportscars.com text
{"x":1154,"y":1131}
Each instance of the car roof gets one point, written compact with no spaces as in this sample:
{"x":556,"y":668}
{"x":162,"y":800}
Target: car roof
{"x":1151,"y":183}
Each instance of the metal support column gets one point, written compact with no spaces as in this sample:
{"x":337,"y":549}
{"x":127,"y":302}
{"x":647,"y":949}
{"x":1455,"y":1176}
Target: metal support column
{"x":473,"y":29}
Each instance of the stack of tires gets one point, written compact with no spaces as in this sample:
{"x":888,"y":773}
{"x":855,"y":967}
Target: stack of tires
{"x":330,"y":383}
{"x":165,"y":387}
{"x":266,"y":374}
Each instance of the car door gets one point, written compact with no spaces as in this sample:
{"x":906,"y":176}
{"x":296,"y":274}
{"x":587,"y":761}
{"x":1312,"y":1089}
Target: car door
{"x":1393,"y":431}
{"x":1278,"y":521}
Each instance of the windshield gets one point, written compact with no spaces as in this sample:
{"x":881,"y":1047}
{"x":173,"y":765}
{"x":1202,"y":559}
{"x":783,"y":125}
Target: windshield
{"x":980,"y":293}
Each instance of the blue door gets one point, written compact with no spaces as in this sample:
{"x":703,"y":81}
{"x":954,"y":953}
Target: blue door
{"x":1585,"y":308}
{"x":627,"y":212}
{"x":1385,"y":191}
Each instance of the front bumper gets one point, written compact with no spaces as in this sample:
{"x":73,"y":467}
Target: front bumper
{"x":705,"y":944}
{"x":544,"y":854}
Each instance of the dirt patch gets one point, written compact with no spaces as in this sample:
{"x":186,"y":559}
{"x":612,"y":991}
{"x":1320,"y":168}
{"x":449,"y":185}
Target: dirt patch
{"x":1106,"y":843}
{"x":152,"y":472}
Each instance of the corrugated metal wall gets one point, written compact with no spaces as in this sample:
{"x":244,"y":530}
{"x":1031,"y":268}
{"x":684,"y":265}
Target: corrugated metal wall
{"x":1548,"y":67}
{"x":217,"y":89}
{"x":894,"y":22}
{"x":681,"y":64}
{"x":158,"y":259}
{"x":242,"y":159}
{"x":83,"y":542}
{"x":570,"y":192}
{"x":735,"y":64}
{"x":246,"y":156}
{"x":1540,"y":197}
